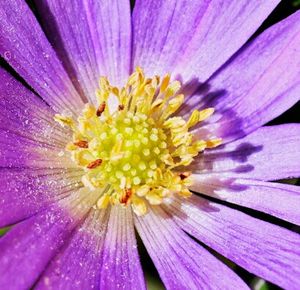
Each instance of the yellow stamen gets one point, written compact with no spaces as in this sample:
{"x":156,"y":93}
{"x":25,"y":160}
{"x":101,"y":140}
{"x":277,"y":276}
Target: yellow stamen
{"x":134,"y":153}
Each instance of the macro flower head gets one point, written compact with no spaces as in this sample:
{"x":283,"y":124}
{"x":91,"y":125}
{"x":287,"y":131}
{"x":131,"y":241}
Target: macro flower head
{"x":147,"y":121}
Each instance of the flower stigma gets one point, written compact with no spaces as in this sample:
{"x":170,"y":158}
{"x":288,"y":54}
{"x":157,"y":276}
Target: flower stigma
{"x":134,"y":155}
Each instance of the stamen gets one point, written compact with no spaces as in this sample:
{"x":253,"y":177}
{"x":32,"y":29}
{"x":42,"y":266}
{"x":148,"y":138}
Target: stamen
{"x":136,"y":154}
{"x":184,"y":175}
{"x":82,"y":144}
{"x":126,"y":196}
{"x":101,"y":109}
{"x":94,"y":164}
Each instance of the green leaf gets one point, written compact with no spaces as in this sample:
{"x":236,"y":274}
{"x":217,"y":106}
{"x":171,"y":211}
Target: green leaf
{"x":259,"y":284}
{"x":296,"y":3}
{"x":153,"y":283}
{"x":3,"y":231}
{"x":292,"y":181}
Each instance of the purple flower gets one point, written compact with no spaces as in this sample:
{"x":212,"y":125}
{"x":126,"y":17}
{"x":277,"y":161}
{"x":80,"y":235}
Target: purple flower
{"x":129,"y":158}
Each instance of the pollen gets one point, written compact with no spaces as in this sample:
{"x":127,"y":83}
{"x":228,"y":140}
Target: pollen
{"x":136,"y":155}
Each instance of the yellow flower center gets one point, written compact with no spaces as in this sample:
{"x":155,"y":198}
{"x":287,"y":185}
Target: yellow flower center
{"x":135,"y":154}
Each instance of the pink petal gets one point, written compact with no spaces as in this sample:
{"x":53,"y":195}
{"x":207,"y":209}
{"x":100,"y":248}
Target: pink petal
{"x":25,"y":47}
{"x":257,"y":85}
{"x":121,"y":266}
{"x":280,"y":200}
{"x":264,"y":249}
{"x":270,"y":153}
{"x":93,"y":39}
{"x":26,"y":250}
{"x":25,"y":192}
{"x":181,"y":263}
{"x":77,"y":266}
{"x":192,"y":39}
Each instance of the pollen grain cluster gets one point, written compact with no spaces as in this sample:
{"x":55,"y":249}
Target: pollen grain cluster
{"x":134,"y":155}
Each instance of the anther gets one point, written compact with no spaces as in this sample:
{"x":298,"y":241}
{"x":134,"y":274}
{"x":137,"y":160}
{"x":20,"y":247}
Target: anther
{"x":184,"y":175}
{"x":94,"y":164}
{"x":121,"y":107}
{"x":81,"y":144}
{"x":101,"y":109}
{"x":126,"y":196}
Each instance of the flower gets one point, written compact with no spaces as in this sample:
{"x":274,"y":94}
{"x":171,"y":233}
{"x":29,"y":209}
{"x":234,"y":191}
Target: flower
{"x":162,"y":116}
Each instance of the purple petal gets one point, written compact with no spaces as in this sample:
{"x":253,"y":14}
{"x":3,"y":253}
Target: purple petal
{"x":24,"y":191}
{"x":18,"y":151}
{"x":192,"y":38}
{"x":25,"y":47}
{"x":121,"y":266}
{"x":25,"y":114}
{"x":280,"y":200}
{"x":259,"y":84}
{"x":263,"y":249}
{"x":77,"y":266}
{"x":29,"y":137}
{"x":270,"y":153}
{"x":181,"y":263}
{"x":26,"y":249}
{"x":93,"y":39}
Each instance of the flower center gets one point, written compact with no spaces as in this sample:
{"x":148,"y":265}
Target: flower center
{"x":135,"y":154}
